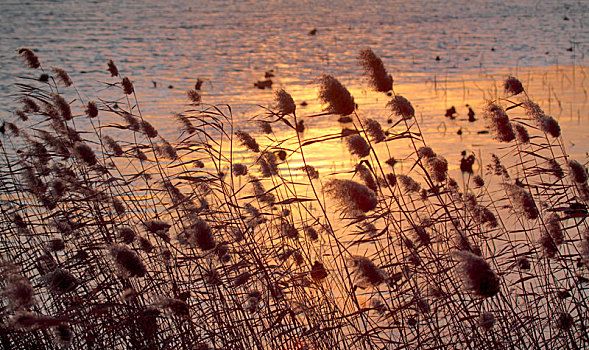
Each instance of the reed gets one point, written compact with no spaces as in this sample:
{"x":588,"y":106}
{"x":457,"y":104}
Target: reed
{"x":116,"y":237}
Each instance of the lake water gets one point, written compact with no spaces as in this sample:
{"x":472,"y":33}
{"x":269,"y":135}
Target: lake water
{"x":165,"y":46}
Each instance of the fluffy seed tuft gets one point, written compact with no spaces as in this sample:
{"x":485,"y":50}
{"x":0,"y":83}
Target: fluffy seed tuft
{"x":127,"y":261}
{"x":248,"y":141}
{"x":62,"y":76}
{"x":499,"y":122}
{"x":513,"y":86}
{"x":358,"y":146}
{"x":336,"y":96}
{"x":374,"y":68}
{"x":477,"y":275}
{"x":31,"y":60}
{"x":127,"y":86}
{"x":351,"y":195}
{"x":401,"y":107}
{"x":577,"y":172}
{"x":112,"y":68}
{"x":284,"y":103}
{"x":367,"y":273}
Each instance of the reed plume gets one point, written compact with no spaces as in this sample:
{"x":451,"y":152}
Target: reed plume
{"x":367,"y":274}
{"x":402,"y":107}
{"x":379,"y":78}
{"x":499,"y":122}
{"x":336,"y":96}
{"x":284,"y":103}
{"x":513,"y":86}
{"x":31,"y":60}
{"x":358,"y":146}
{"x":127,"y":261}
{"x":523,"y":200}
{"x":112,"y":68}
{"x":351,"y":195}
{"x":477,"y":275}
{"x":127,"y":85}
{"x":546,"y":123}
{"x":62,"y":76}
{"x":247,"y":141}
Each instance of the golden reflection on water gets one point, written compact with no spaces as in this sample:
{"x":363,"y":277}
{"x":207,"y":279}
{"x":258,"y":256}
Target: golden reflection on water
{"x":560,"y":90}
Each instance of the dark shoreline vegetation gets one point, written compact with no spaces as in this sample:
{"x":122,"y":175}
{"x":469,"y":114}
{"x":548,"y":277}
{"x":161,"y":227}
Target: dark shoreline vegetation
{"x":146,"y":243}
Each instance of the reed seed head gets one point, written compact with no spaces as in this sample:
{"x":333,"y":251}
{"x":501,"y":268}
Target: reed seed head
{"x":318,"y":272}
{"x":554,"y":228}
{"x":29,"y":105}
{"x":521,"y":133}
{"x":127,"y":235}
{"x":366,"y":272}
{"x":83,"y":152}
{"x":564,"y":321}
{"x":246,"y":140}
{"x":145,"y":244}
{"x":408,"y":184}
{"x":175,"y":306}
{"x":185,"y":123}
{"x":486,"y":320}
{"x":523,"y":201}
{"x":199,"y":235}
{"x":194,"y":96}
{"x":29,"y":321}
{"x":379,"y":78}
{"x":555,"y":169}
{"x":358,"y":146}
{"x":351,"y":195}
{"x":546,"y":123}
{"x":63,"y":335}
{"x":132,"y":122}
{"x":523,"y":263}
{"x":366,"y":176}
{"x":499,"y":122}
{"x":111,"y":145}
{"x":549,"y":246}
{"x":284,"y":103}
{"x":112,"y":69}
{"x":401,"y":107}
{"x":148,"y":129}
{"x":264,"y":126}
{"x":268,"y":165}
{"x":477,"y":275}
{"x":374,"y":130}
{"x":61,"y":281}
{"x":31,"y":60}
{"x":127,"y":86}
{"x":62,"y":76}
{"x":513,"y":86}
{"x":91,"y":109}
{"x":312,"y":234}
{"x":55,"y":245}
{"x":62,"y":106}
{"x":310,"y":171}
{"x":17,"y":290}
{"x":127,"y":261}
{"x":239,"y":169}
{"x":118,"y":206}
{"x":166,"y":150}
{"x":336,"y":96}
{"x":577,"y":172}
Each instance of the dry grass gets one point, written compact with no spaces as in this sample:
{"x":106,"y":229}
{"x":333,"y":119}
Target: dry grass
{"x":142,"y":242}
